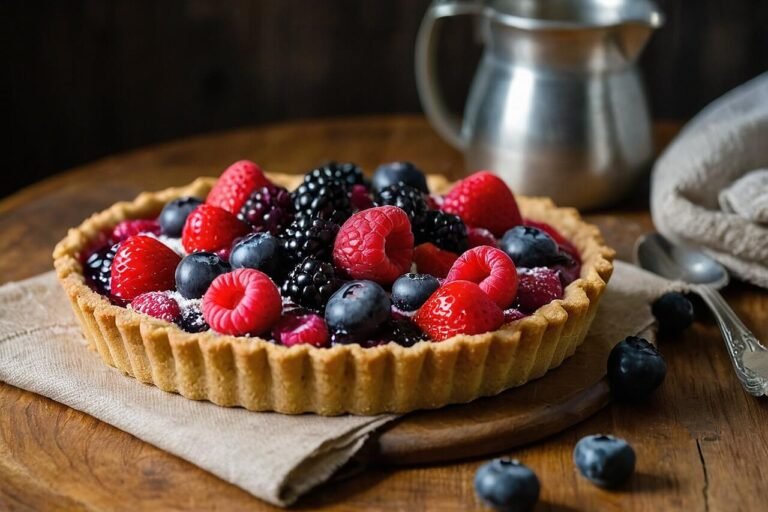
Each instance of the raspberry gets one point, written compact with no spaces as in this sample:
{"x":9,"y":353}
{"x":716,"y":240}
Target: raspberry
{"x":480,"y":236}
{"x":537,"y":287}
{"x":459,"y":307}
{"x":360,"y":198}
{"x":158,"y":305}
{"x":375,"y":244}
{"x":211,"y":229}
{"x":268,"y":209}
{"x":235,"y":185}
{"x":484,"y":200}
{"x":445,"y":230}
{"x":299,"y":329}
{"x":432,"y":260}
{"x":129,"y":228}
{"x":242,"y":302}
{"x":491,"y":269}
{"x":434,"y":201}
{"x":143,"y":264}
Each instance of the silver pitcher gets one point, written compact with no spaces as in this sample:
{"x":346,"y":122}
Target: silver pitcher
{"x":556,"y":107}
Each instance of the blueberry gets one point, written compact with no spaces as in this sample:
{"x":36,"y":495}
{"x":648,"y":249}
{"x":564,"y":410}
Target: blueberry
{"x":260,"y":251}
{"x":606,"y":461}
{"x":175,"y":214}
{"x":635,"y":369}
{"x":357,"y":310}
{"x":410,"y":291}
{"x":674,"y":312}
{"x":196,"y":272}
{"x":531,"y":247}
{"x":396,"y":172}
{"x":507,"y":485}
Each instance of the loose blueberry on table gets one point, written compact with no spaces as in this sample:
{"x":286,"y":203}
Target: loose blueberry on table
{"x":674,"y":311}
{"x":338,"y":260}
{"x":635,"y":369}
{"x":604,"y":460}
{"x":507,"y":485}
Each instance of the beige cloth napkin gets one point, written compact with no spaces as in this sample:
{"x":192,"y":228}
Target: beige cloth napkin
{"x":722,"y":145}
{"x":274,"y":457}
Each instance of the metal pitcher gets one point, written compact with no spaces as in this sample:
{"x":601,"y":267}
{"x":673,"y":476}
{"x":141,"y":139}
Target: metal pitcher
{"x":556,"y":107}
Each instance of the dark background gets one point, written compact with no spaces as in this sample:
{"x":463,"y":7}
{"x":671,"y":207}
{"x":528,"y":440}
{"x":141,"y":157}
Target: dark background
{"x":85,"y":78}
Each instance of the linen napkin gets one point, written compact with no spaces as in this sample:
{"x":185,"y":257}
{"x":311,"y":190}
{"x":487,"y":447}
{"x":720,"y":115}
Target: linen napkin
{"x":709,"y":188}
{"x":274,"y":457}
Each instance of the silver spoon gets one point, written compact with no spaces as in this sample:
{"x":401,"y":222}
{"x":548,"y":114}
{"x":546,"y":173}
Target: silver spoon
{"x":704,"y":276}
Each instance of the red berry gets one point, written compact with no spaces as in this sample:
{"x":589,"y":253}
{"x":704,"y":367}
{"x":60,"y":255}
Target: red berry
{"x":484,"y":200}
{"x":242,"y":302}
{"x":129,"y":228}
{"x":491,"y":269}
{"x":537,"y":287}
{"x":432,"y":260}
{"x":480,"y":236}
{"x":158,"y":305}
{"x":307,"y":329}
{"x":143,"y":264}
{"x":360,"y":198}
{"x":434,"y":201}
{"x":459,"y":307}
{"x":235,"y":186}
{"x":211,"y":229}
{"x":375,"y":244}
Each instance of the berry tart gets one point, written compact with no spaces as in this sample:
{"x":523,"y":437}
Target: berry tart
{"x":332,"y":294}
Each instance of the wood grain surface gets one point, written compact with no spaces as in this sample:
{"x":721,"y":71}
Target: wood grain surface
{"x":701,"y":441}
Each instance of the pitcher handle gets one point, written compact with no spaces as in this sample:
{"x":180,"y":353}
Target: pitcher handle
{"x":447,"y":123}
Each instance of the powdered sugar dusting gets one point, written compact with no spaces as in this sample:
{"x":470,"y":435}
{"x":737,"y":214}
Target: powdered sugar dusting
{"x":173,"y":244}
{"x":184,"y":303}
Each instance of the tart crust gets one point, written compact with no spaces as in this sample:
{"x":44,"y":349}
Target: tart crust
{"x":262,"y":376}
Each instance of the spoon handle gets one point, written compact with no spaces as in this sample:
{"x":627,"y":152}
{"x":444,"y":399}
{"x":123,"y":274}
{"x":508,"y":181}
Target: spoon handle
{"x":738,"y":338}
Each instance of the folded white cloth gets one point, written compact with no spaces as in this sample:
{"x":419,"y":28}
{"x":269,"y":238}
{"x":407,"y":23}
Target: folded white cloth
{"x":748,"y":197}
{"x":720,"y":147}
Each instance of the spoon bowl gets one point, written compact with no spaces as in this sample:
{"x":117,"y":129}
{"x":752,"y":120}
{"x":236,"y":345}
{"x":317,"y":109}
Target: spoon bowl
{"x":657,"y":254}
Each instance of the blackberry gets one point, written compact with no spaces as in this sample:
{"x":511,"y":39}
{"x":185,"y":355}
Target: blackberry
{"x":409,"y":199}
{"x":445,"y":230}
{"x":311,"y":283}
{"x":347,"y":172}
{"x":268,"y":209}
{"x":308,"y":236}
{"x":192,"y":320}
{"x":406,"y":333}
{"x":322,"y":197}
{"x":98,"y":269}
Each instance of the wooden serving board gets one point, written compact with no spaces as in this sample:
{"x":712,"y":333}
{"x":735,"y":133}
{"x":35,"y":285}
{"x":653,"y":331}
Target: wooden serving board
{"x":556,"y":401}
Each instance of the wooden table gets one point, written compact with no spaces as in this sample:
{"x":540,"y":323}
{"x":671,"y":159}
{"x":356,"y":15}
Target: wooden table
{"x":701,"y":442}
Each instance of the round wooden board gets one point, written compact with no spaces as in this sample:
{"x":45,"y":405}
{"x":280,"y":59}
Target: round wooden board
{"x":560,"y":399}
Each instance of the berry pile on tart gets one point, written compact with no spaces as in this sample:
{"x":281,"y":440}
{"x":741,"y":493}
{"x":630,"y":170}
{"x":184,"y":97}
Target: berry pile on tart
{"x":330,"y":293}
